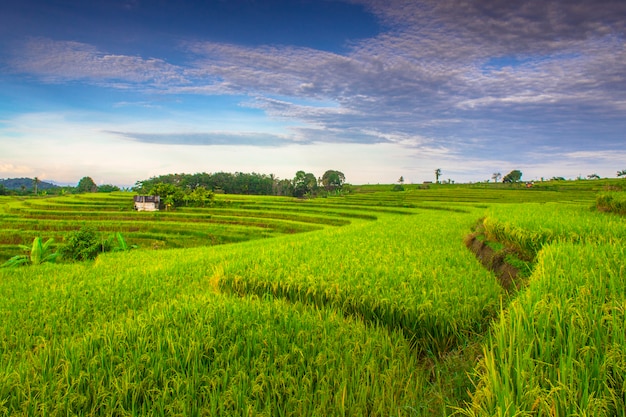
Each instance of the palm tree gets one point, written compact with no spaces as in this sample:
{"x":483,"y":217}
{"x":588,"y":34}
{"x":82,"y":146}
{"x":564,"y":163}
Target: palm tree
{"x":437,"y":175}
{"x":35,"y":183}
{"x":496,"y":176}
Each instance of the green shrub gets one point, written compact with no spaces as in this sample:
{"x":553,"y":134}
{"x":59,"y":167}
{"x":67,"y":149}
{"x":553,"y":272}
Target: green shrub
{"x":83,"y":245}
{"x":614,"y":202}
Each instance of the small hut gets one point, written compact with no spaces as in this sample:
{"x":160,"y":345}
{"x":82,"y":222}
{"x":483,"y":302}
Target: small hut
{"x":147,"y":202}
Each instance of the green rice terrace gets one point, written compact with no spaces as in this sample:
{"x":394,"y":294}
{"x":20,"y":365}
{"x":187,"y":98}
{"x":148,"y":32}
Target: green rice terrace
{"x":377,"y":303}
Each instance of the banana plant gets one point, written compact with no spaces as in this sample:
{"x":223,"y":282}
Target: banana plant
{"x":122,"y":246}
{"x":39,"y":253}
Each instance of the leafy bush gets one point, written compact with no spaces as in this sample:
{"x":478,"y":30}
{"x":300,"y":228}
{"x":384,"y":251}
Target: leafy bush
{"x":83,"y":245}
{"x":612,"y":202}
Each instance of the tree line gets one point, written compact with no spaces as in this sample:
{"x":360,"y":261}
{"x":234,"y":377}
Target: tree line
{"x":35,"y":186}
{"x":302,"y":185}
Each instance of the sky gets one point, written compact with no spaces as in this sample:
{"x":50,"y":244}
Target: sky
{"x":125,"y":90}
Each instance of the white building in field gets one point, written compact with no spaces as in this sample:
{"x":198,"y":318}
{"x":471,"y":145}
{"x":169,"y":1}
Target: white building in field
{"x":147,"y":202}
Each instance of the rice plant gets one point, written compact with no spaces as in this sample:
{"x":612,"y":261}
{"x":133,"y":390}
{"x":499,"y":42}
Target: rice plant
{"x":560,"y":348}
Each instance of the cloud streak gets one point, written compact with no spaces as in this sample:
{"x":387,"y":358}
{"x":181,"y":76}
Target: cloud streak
{"x":207,"y":139}
{"x":60,"y":61}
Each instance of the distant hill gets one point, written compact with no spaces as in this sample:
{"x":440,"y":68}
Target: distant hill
{"x":27,"y":183}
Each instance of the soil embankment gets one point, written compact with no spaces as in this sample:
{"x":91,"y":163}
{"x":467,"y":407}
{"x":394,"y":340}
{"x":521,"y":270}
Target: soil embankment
{"x":507,"y":274}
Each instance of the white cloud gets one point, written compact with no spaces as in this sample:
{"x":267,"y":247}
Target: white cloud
{"x":9,"y":168}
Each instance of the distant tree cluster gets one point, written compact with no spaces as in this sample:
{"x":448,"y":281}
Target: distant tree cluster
{"x":219,"y":182}
{"x":87,"y":185}
{"x":184,"y":185}
{"x":25,"y":186}
{"x":516,"y":176}
{"x":35,"y":186}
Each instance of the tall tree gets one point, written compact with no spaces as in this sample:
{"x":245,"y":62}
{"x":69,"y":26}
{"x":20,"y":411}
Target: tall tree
{"x":513,"y":176}
{"x":437,"y":175}
{"x":35,"y":184}
{"x":201,"y":196}
{"x":170,"y":194}
{"x":496,"y":176}
{"x":284,"y":187}
{"x":304,"y":183}
{"x":333,"y":180}
{"x":86,"y":185}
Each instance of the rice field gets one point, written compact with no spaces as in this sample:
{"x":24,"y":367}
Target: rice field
{"x":362,"y":305}
{"x":560,"y":348}
{"x":529,"y":227}
{"x":232,"y":219}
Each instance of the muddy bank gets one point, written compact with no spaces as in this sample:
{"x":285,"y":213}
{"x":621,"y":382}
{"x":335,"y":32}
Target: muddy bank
{"x":509,"y":276}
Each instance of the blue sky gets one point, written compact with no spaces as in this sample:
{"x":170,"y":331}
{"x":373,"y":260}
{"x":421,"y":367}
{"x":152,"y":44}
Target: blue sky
{"x":123,"y":90}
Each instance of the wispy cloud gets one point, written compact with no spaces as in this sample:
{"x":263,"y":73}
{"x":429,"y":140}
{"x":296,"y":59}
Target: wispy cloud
{"x":60,"y":61}
{"x":207,"y":139}
{"x":609,"y":157}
